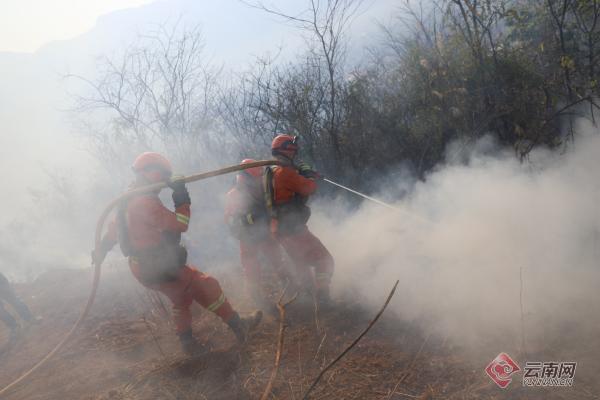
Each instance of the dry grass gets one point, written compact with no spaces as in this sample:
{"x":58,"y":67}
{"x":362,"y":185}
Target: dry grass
{"x":116,"y":356}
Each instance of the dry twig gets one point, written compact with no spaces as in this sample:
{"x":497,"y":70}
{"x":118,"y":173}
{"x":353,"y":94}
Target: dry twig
{"x":343,"y":353}
{"x":522,"y":314}
{"x":282,"y":326}
{"x":316,"y":310}
{"x":320,"y":346}
{"x":153,"y":336}
{"x":406,"y":372}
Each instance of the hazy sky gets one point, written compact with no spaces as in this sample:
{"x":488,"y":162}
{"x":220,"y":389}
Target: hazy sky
{"x":25,"y":25}
{"x":43,"y":40}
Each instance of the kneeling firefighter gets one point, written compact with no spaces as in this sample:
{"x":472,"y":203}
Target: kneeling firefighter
{"x":287,"y":188}
{"x":247,"y":219}
{"x":149,"y":234}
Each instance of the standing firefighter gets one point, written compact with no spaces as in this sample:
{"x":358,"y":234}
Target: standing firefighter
{"x":7,"y":294}
{"x":149,"y":234}
{"x":247,"y":218}
{"x":287,"y":188}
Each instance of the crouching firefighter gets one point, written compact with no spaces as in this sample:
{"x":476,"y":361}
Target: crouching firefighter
{"x":286,"y":189}
{"x":149,"y":234}
{"x":8,"y":295}
{"x":247,"y":219}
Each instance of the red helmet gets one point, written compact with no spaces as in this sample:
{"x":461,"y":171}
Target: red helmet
{"x":153,"y":166}
{"x":253,"y":173}
{"x":286,"y":145}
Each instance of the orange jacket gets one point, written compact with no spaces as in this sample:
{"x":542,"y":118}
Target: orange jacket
{"x":147,"y":219}
{"x":287,"y":183}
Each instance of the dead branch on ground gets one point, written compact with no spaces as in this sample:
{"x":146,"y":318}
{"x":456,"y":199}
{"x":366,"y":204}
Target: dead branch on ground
{"x":282,"y":326}
{"x":343,"y":353}
{"x":404,"y":374}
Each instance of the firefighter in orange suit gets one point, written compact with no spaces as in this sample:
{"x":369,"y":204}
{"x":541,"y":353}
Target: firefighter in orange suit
{"x":246,"y":217}
{"x":287,"y":188}
{"x":149,"y":234}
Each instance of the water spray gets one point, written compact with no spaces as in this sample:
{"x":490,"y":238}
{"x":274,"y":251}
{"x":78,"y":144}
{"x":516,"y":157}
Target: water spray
{"x":364,"y":196}
{"x":377,"y":201}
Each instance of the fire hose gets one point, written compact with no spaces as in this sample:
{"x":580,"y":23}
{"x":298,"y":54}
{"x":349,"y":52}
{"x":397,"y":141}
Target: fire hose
{"x":98,"y":238}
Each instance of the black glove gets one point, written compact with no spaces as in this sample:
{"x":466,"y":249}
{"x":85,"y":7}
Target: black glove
{"x":176,"y":182}
{"x":306,"y":171}
{"x":180,"y":195}
{"x":98,"y":255}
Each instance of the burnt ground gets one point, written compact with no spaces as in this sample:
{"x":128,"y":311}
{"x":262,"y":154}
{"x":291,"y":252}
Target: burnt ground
{"x":126,"y":351}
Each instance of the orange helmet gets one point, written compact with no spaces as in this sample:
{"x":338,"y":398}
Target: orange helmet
{"x":286,"y":145}
{"x":153,"y":166}
{"x":253,"y":173}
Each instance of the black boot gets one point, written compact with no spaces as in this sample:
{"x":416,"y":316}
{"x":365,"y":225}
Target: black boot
{"x":190,"y":345}
{"x":241,"y":327}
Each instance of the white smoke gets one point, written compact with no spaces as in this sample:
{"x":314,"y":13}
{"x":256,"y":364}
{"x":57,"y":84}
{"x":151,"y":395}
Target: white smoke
{"x":464,"y":236}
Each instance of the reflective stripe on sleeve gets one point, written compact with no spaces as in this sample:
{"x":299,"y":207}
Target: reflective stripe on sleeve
{"x":182,"y":218}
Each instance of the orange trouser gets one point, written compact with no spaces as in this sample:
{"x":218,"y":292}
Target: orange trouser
{"x":306,"y":250}
{"x":191,"y":285}
{"x":249,"y":255}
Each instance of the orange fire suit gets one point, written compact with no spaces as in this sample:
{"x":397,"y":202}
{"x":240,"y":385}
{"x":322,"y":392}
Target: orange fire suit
{"x":158,"y":261}
{"x":246,"y":216}
{"x":290,"y":191}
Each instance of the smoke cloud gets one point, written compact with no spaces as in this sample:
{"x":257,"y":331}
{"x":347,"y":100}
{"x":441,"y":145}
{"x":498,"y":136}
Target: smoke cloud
{"x":464,"y":237}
